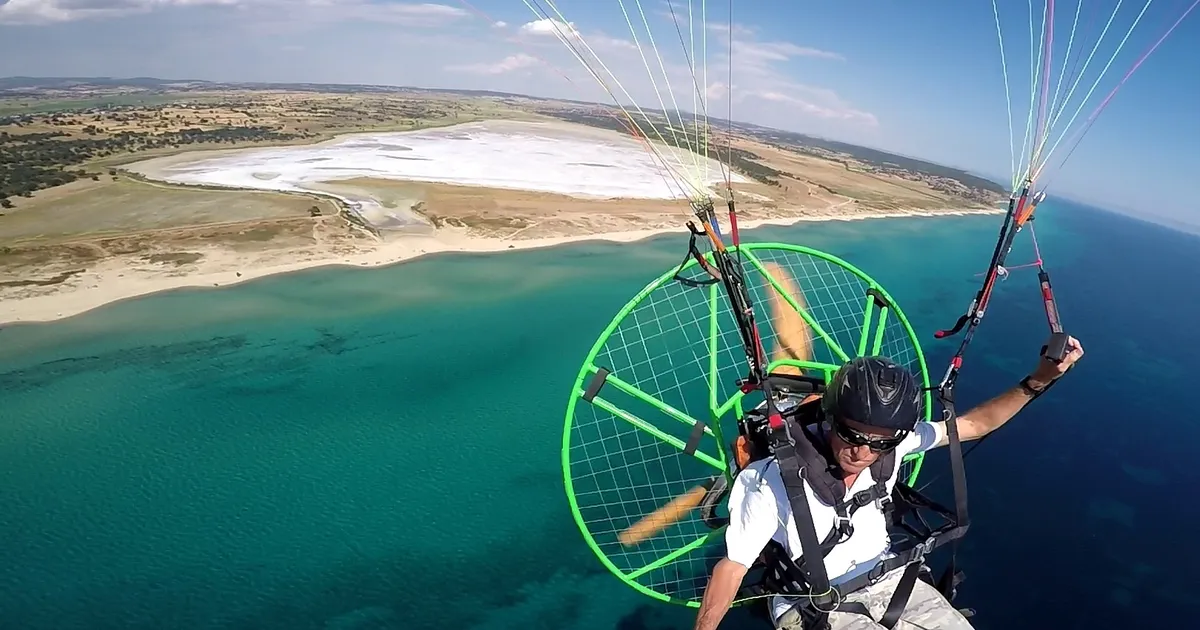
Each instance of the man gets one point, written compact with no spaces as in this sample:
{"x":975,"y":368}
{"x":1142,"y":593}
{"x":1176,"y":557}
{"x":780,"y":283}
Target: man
{"x":871,"y":407}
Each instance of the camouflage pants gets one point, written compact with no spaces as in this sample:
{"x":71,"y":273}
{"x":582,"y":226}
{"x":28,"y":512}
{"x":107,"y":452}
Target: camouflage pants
{"x":926,"y":609}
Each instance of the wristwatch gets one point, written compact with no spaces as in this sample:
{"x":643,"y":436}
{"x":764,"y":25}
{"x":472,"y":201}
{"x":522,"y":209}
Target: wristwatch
{"x":1029,"y":389}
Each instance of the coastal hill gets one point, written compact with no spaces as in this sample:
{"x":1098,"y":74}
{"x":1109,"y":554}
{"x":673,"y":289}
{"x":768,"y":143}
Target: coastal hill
{"x":88,"y":213}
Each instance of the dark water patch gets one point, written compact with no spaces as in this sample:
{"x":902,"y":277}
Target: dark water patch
{"x":1148,"y":476}
{"x":329,"y":342}
{"x":46,"y":374}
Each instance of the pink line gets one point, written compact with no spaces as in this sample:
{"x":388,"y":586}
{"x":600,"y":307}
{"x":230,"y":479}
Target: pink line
{"x":1032,"y":264}
{"x":1037,"y":252}
{"x":1092,"y":118}
{"x":1041,"y":128}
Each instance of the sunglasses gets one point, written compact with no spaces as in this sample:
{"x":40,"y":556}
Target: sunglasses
{"x":858,"y":438}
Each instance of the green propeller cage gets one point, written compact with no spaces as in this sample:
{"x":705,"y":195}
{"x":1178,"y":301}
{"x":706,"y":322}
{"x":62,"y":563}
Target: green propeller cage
{"x":672,"y":358}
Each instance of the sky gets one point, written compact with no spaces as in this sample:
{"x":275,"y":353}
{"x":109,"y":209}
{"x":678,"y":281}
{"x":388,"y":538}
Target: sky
{"x":923,"y":79}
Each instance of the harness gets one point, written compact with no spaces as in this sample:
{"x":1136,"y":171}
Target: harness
{"x":804,"y":455}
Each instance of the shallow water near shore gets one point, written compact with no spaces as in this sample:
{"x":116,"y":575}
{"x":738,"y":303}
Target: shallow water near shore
{"x":379,"y":448}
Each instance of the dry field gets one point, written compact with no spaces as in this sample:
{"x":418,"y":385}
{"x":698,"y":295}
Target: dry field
{"x":832,"y":181}
{"x":35,"y":268}
{"x":89,"y":208}
{"x":78,"y":221}
{"x":324,"y":114}
{"x":64,"y":229}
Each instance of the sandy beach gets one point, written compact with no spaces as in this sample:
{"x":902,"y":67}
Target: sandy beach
{"x":119,"y":279}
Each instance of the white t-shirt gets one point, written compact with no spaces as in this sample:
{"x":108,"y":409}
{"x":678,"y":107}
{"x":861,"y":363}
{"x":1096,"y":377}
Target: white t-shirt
{"x":759,"y":510}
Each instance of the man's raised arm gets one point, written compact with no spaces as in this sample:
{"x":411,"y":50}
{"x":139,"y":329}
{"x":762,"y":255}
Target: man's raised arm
{"x":993,"y":414}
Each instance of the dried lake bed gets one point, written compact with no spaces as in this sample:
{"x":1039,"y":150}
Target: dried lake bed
{"x":548,"y":157}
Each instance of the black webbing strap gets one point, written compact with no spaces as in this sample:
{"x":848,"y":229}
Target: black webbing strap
{"x":915,"y":555}
{"x":784,"y":448}
{"x":896,"y":605}
{"x":843,"y":528}
{"x":595,"y":384}
{"x":694,"y":438}
{"x":695,"y":253}
{"x":946,"y":584}
{"x":912,"y":560}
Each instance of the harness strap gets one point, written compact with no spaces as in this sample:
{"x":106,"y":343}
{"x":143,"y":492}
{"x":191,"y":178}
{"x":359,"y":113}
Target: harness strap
{"x":896,"y":604}
{"x":809,"y":576}
{"x":949,"y":580}
{"x":784,"y":447}
{"x":843,"y":528}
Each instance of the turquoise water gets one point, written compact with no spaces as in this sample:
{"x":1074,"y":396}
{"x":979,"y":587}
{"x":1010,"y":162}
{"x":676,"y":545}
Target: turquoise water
{"x":379,"y":448}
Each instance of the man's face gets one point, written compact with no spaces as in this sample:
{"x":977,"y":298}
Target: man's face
{"x":848,"y":438}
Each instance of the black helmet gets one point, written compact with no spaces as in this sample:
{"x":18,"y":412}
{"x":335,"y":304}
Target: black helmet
{"x":874,"y":391}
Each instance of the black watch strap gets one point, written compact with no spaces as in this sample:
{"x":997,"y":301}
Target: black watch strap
{"x":1029,"y":388}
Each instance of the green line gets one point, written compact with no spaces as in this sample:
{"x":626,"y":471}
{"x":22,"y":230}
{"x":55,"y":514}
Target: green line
{"x":652,"y":430}
{"x":651,"y":400}
{"x":667,"y":559}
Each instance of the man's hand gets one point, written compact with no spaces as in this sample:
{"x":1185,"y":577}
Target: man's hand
{"x":1048,"y":370}
{"x":992,"y":414}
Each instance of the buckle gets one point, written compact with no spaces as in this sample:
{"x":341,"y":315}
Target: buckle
{"x":876,"y":573}
{"x":923,"y":549}
{"x":842,"y":524}
{"x":862,"y":498}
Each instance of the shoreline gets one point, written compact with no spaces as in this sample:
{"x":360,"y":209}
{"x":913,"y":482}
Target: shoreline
{"x":112,"y":281}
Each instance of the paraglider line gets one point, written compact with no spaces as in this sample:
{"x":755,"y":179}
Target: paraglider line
{"x":1037,"y":171}
{"x":1092,"y":118}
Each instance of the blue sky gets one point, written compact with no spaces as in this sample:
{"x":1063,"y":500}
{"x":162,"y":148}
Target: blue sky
{"x":919,"y":78}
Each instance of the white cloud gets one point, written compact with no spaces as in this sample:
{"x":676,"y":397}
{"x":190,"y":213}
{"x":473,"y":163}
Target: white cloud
{"x":759,"y":69}
{"x":405,"y":14}
{"x":716,"y":91}
{"x":834,"y":111}
{"x":761,"y":52}
{"x":55,"y":11}
{"x":307,"y":39}
{"x":559,"y":30}
{"x":49,"y":11}
{"x":508,"y":64}
{"x":548,"y":26}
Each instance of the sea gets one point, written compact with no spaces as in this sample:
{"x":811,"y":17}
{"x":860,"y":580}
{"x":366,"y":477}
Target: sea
{"x":354,"y":449}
